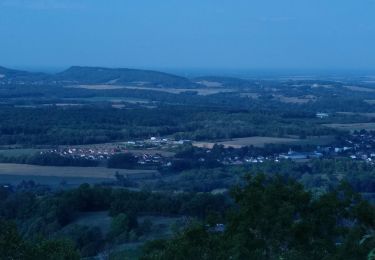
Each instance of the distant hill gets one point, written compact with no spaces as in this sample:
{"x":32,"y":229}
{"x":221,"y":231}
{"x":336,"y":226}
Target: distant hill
{"x":96,"y":75}
{"x":20,"y":76}
{"x":78,"y":75}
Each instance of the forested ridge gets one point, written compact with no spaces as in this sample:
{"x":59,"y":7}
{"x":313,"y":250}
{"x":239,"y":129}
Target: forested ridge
{"x":86,"y":125}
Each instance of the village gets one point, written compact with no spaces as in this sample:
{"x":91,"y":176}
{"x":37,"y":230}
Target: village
{"x":158,"y":151}
{"x":153,"y":151}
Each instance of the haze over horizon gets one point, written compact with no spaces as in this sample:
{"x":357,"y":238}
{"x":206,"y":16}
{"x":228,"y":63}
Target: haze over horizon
{"x":215,"y":35}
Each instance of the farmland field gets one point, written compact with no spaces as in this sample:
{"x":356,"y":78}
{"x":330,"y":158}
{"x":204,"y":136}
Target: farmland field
{"x":200,"y":91}
{"x":370,"y":101}
{"x":70,"y":172}
{"x":109,"y":99}
{"x":355,"y":88}
{"x":261,"y":141}
{"x":295,"y":100}
{"x":257,"y":141}
{"x":97,"y":87}
{"x":369,"y":115}
{"x":19,"y":152}
{"x":353,"y":127}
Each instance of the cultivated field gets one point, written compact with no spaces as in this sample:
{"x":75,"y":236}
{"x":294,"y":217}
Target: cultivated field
{"x":258,"y":141}
{"x":295,"y":100}
{"x":97,"y":87}
{"x":210,"y":84}
{"x":19,"y":152}
{"x":261,"y":141}
{"x":353,"y":127}
{"x":71,"y":172}
{"x":362,"y":89}
{"x":370,"y":115}
{"x":200,"y":91}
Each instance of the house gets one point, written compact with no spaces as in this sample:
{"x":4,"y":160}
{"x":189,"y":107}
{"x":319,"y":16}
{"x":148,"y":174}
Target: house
{"x":322,"y":115}
{"x":218,"y":228}
{"x":339,"y":149}
{"x":293,"y":156}
{"x":315,"y":155}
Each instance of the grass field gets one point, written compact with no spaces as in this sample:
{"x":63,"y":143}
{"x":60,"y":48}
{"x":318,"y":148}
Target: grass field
{"x":72,"y":172}
{"x":19,"y":152}
{"x":97,"y":87}
{"x":362,"y":89}
{"x":353,"y":127}
{"x":161,"y":228}
{"x":260,"y":141}
{"x":370,"y":115}
{"x":200,"y":91}
{"x":370,"y":101}
{"x":99,"y":219}
{"x":295,"y":100}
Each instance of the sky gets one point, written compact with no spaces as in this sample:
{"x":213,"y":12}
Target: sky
{"x":193,"y":34}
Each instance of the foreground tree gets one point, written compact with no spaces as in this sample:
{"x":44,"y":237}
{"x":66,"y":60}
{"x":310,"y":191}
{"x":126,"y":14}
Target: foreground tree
{"x":276,"y":218}
{"x":13,"y":247}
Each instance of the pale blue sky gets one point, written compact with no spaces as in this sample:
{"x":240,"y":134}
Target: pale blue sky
{"x":217,"y":34}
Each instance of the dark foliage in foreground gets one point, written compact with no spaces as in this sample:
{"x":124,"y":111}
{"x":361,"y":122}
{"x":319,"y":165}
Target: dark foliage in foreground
{"x":53,"y":215}
{"x":278,"y":219}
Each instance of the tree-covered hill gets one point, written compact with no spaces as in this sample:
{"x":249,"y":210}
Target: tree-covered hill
{"x":97,"y":75}
{"x":77,"y":75}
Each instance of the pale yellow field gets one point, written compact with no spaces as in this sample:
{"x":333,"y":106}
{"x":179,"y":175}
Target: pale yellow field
{"x":258,"y":141}
{"x":295,"y":100}
{"x":98,"y":87}
{"x":370,"y":101}
{"x":353,"y":127}
{"x":52,"y":171}
{"x":355,"y":88}
{"x":200,"y":91}
{"x":261,"y":141}
{"x":371,"y":115}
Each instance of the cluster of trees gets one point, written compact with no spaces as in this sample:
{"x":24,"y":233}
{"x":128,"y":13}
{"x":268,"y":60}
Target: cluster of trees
{"x":276,"y":218}
{"x":122,"y":161}
{"x":318,"y":175}
{"x":13,"y":246}
{"x":52,"y":215}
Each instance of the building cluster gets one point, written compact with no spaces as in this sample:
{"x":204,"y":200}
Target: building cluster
{"x":145,"y":150}
{"x":291,"y":155}
{"x":357,"y":146}
{"x":155,"y":142}
{"x":96,"y":153}
{"x":322,"y":115}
